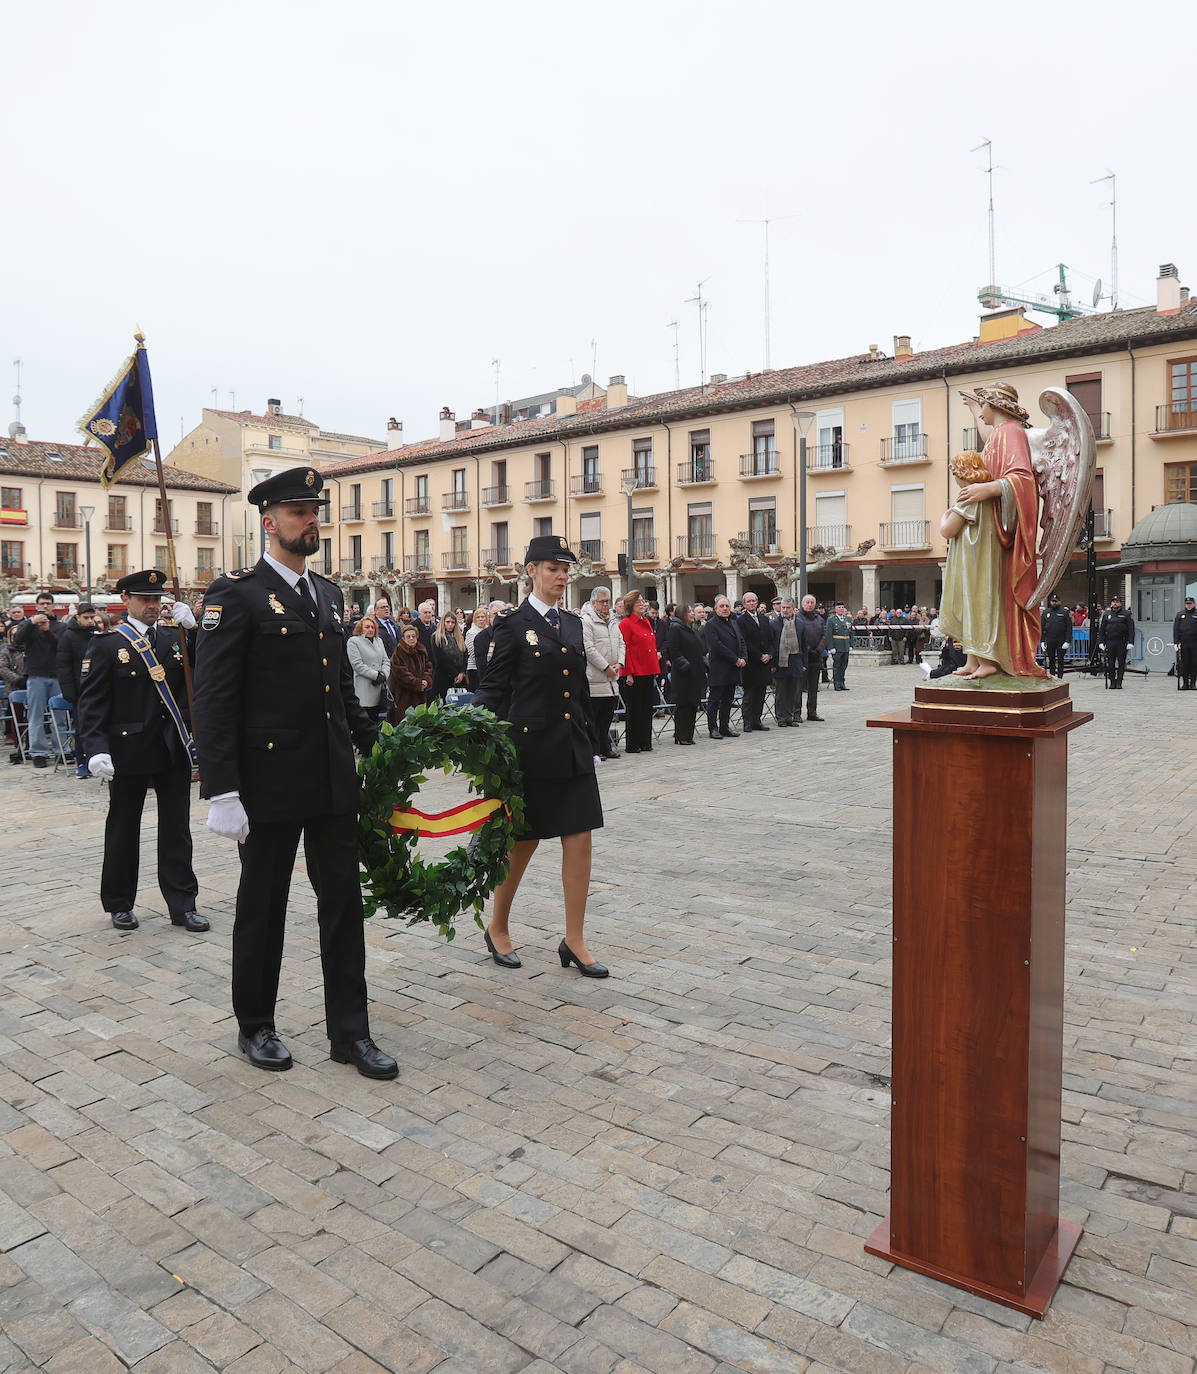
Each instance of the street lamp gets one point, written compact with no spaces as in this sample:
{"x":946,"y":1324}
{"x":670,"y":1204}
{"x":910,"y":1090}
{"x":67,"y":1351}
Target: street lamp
{"x":87,"y":512}
{"x":802,"y":423}
{"x":628,"y":486}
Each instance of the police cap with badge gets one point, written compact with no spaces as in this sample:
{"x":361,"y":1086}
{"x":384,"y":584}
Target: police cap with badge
{"x":151,"y":582}
{"x":296,"y":484}
{"x":549,"y":548}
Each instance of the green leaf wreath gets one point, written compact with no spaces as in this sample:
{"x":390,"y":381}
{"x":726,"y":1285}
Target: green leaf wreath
{"x":473,"y":741}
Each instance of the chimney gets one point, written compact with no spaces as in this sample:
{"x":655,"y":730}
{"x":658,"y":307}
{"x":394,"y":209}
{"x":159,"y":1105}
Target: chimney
{"x":874,"y":352}
{"x":1184,"y":294}
{"x":617,"y":392}
{"x":480,"y":419}
{"x":274,"y":406}
{"x":448,"y":425}
{"x":394,"y":433}
{"x":567,"y":402}
{"x":718,"y":377}
{"x":902,"y":348}
{"x":1167,"y":288}
{"x":505,"y":413}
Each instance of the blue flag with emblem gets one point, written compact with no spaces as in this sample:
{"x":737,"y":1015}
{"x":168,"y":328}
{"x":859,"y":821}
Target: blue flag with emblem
{"x":122,"y":420}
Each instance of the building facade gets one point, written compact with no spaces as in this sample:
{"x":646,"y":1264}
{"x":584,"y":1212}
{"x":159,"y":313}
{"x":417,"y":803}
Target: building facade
{"x":52,"y":506}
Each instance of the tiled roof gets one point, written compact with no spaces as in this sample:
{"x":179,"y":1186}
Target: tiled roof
{"x":248,"y":417}
{"x":82,"y":463}
{"x":348,"y":438}
{"x":1085,"y":335}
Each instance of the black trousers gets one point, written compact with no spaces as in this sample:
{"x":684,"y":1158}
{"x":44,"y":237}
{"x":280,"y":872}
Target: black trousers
{"x":684,"y":715}
{"x":1056,"y":654}
{"x":787,"y":705}
{"x":1116,"y":660}
{"x":812,"y":685}
{"x":1188,"y":663}
{"x":122,"y":840}
{"x":719,"y":705}
{"x":267,"y":860}
{"x":752,"y":704}
{"x":638,"y":713}
{"x":602,"y":712}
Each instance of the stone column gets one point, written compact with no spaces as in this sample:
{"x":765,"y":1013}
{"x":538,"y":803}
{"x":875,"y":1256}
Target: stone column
{"x":731,"y":580}
{"x":444,"y":597}
{"x":868,"y":595}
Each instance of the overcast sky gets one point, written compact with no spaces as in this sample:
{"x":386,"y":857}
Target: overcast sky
{"x":364,"y":204}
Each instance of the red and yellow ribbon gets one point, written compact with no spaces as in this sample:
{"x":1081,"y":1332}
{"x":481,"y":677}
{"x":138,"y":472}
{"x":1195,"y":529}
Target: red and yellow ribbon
{"x":471,"y":815}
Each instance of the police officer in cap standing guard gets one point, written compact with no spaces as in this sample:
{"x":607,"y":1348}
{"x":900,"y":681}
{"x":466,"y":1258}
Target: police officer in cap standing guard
{"x":536,"y":679}
{"x":1057,"y":635}
{"x":276,"y":720}
{"x":133,"y":728}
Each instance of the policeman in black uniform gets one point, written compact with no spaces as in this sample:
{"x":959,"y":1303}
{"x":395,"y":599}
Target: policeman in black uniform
{"x":276,"y":718}
{"x":536,"y":679}
{"x":1115,"y":633}
{"x":1184,"y":639}
{"x":1057,"y":634}
{"x":126,"y":730}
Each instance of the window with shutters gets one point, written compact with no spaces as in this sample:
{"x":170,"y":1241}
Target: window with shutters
{"x":590,"y":536}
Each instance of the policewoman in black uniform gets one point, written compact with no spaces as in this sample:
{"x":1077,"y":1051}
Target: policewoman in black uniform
{"x":276,"y":719}
{"x":536,"y":679}
{"x":133,"y":728}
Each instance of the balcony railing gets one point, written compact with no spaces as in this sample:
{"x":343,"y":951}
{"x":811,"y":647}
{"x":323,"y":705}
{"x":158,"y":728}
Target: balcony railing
{"x":67,"y":520}
{"x":325,"y":513}
{"x":118,"y":524}
{"x":828,"y":458}
{"x":696,"y":473}
{"x":762,"y":541}
{"x":496,"y":496}
{"x":417,"y":505}
{"x":456,"y":560}
{"x":417,"y":562}
{"x":207,"y":529}
{"x":1101,"y":426}
{"x":909,"y":450}
{"x":644,"y":477}
{"x":586,"y":484}
{"x":544,"y":490}
{"x":829,"y":537}
{"x":324,"y":566}
{"x":1103,"y":524}
{"x":643,"y":550}
{"x":968,"y":437}
{"x":500,"y":557}
{"x":12,"y":569}
{"x":696,"y":546}
{"x":384,"y":510}
{"x":63,"y":572}
{"x":455,"y":500}
{"x":160,"y":525}
{"x":353,"y":511}
{"x":764,"y":464}
{"x":1175,"y":416}
{"x":906,"y":534}
{"x":203,"y":576}
{"x":379,"y":561}
{"x":351,"y":567}
{"x":592,"y":549}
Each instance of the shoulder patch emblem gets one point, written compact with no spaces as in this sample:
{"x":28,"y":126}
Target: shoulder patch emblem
{"x":211,"y":617}
{"x":85,"y":668}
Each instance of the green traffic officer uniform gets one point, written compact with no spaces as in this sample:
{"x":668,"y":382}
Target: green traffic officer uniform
{"x":839,"y":631}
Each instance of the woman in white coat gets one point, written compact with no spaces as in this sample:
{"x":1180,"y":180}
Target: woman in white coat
{"x":368,"y":658}
{"x":604,"y":654}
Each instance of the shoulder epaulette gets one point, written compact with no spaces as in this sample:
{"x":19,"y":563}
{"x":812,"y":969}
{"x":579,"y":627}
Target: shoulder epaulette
{"x":240,"y":573}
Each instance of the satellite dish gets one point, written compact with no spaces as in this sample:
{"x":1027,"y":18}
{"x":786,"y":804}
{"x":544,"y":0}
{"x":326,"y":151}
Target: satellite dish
{"x":1097,"y":292}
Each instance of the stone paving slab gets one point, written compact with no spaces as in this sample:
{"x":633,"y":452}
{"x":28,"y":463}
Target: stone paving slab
{"x":672,"y":1171}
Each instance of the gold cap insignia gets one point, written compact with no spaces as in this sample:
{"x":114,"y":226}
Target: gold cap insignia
{"x":562,"y":542}
{"x":153,"y":577}
{"x":310,"y":479}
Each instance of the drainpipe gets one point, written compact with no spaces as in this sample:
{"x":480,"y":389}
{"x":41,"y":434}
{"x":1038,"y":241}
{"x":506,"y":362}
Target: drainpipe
{"x":947,"y":422}
{"x":1133,"y":430}
{"x":565,"y":505}
{"x":477,"y":530}
{"x":669,"y":545}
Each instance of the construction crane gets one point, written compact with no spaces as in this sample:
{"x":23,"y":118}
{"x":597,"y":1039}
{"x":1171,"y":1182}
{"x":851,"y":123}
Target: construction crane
{"x":1062,"y":306}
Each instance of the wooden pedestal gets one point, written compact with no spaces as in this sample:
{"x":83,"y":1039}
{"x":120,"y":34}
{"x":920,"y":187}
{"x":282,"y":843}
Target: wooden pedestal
{"x":980,"y":796}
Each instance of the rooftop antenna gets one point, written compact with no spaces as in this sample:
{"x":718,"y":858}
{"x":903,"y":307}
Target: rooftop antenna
{"x":593,"y":359}
{"x":16,"y":400}
{"x":498,"y":367}
{"x":677,"y":366}
{"x":987,"y":144}
{"x":233,"y":394}
{"x":703,"y":307}
{"x":299,"y":403}
{"x":766,"y":222}
{"x":215,"y":399}
{"x":1113,"y":180}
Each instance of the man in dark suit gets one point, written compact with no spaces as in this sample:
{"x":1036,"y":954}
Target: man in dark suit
{"x":726,"y":657}
{"x":276,"y":718}
{"x":758,"y":641}
{"x":388,"y":631}
{"x":133,"y":728}
{"x":1056,"y":628}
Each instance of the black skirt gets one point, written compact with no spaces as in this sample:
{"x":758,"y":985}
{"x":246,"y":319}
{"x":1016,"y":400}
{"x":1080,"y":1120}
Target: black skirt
{"x":561,"y":806}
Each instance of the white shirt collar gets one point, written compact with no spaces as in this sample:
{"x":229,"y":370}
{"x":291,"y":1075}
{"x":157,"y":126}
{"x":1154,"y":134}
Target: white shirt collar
{"x":539,"y":606}
{"x":289,"y":575}
{"x":141,"y":628}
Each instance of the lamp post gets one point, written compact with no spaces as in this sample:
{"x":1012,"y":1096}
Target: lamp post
{"x":628,"y":486}
{"x":87,"y":512}
{"x":802,"y":423}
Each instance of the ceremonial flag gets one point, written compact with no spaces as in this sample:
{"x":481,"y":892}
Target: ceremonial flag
{"x":123,"y":418}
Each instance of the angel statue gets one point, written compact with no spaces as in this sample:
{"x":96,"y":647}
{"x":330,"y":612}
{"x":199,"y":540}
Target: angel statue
{"x":993,"y":583}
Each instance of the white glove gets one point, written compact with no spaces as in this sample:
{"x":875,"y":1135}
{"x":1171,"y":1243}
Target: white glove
{"x":597,"y":760}
{"x":100,"y":766}
{"x":1176,"y":648}
{"x":227,"y":818}
{"x":182,"y":614}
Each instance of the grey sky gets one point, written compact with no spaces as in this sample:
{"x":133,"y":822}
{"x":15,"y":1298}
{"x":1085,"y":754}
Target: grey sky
{"x":364,"y":204}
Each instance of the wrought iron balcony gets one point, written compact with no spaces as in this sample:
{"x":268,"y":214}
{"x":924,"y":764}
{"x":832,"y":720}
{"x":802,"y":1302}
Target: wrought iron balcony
{"x":696,"y":546}
{"x":417,"y":562}
{"x":160,"y":525}
{"x":696,"y":473}
{"x":352,"y":511}
{"x":325,"y":512}
{"x":643,"y":550}
{"x":829,"y":537}
{"x":586,"y":484}
{"x":455,"y":500}
{"x":380,"y":561}
{"x":644,"y":477}
{"x":500,"y":557}
{"x":909,"y":450}
{"x":207,"y":529}
{"x":545,"y":490}
{"x":351,"y":567}
{"x":1175,"y":417}
{"x":456,"y":560}
{"x":1103,"y":524}
{"x":118,"y":524}
{"x":905,"y":534}
{"x":828,"y":458}
{"x":766,"y":541}
{"x":384,"y":510}
{"x":496,"y":496}
{"x":65,"y":569}
{"x":417,"y":505}
{"x":592,"y":549}
{"x":68,"y":520}
{"x":1101,"y":426}
{"x":763,"y":464}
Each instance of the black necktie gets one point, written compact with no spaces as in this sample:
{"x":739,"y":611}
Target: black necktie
{"x":305,"y":595}
{"x":553,"y":616}
{"x":152,"y":635}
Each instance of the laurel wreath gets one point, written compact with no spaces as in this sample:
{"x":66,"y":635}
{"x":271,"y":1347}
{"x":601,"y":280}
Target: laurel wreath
{"x":470,"y":740}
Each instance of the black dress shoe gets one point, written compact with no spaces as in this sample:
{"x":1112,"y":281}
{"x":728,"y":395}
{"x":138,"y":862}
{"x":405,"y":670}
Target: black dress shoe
{"x":192,"y":921}
{"x":714,"y":734}
{"x":606,"y":758}
{"x":683,"y":741}
{"x":264,"y":1050}
{"x":759,"y":726}
{"x":124,"y":920}
{"x":567,"y":957}
{"x":365,"y":1055}
{"x":781,"y":724}
{"x":819,"y":718}
{"x":40,"y":761}
{"x":503,"y":960}
{"x":729,"y":733}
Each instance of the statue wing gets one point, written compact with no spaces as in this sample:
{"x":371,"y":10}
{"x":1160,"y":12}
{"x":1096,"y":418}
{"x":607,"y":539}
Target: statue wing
{"x":1064,"y":460}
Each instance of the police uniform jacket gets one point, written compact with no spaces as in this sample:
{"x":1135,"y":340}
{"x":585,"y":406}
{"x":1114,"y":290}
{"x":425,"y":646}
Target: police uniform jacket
{"x":725,"y":644}
{"x":276,"y":715}
{"x":758,"y":639}
{"x":536,"y":679}
{"x":1117,"y":627}
{"x":119,"y":711}
{"x":1184,"y":627}
{"x":1057,"y":625}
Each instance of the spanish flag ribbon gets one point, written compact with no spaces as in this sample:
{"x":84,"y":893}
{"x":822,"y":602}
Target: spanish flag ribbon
{"x":471,"y":815}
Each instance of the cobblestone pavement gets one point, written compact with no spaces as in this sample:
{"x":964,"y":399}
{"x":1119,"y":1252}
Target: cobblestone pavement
{"x":672,"y":1171}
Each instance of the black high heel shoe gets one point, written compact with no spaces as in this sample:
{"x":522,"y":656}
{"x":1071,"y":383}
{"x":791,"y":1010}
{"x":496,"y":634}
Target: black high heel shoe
{"x":567,"y":957}
{"x":503,"y":960}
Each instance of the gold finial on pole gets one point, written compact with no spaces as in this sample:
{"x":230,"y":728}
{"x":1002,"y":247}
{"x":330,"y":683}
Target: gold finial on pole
{"x":139,"y":337}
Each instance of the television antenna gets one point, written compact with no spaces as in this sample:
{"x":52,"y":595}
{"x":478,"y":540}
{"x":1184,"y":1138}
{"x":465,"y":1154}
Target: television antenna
{"x":1113,"y":180}
{"x":987,"y":144}
{"x":774,"y":219}
{"x":498,"y":367}
{"x":677,"y":367}
{"x":703,"y":308}
{"x":16,"y":400}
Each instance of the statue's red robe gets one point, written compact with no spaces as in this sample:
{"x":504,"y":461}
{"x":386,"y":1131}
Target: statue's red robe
{"x":1008,"y":455}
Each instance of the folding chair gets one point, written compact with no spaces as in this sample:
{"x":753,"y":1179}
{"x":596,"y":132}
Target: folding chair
{"x":62,"y":727}
{"x":18,"y":703}
{"x":662,"y":711}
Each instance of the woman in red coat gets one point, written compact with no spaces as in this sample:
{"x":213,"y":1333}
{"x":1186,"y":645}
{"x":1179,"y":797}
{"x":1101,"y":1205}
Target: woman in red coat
{"x":641,"y":665}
